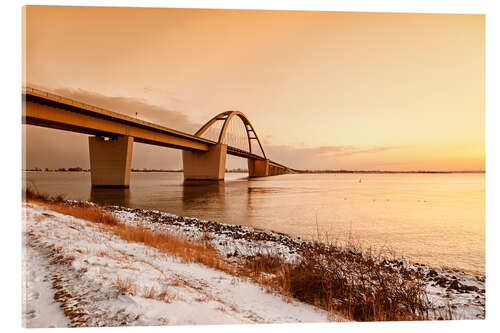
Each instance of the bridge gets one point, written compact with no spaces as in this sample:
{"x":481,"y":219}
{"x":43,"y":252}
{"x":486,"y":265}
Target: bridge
{"x":113,"y":135}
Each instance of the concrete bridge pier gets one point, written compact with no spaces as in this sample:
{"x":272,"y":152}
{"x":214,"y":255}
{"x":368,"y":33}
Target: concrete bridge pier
{"x":258,"y":168}
{"x":110,"y":161}
{"x":275,"y":170}
{"x":209,"y":165}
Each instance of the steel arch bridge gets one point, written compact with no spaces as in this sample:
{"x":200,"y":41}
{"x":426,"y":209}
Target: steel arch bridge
{"x":113,"y":134}
{"x":234,"y":141}
{"x":250,"y":134}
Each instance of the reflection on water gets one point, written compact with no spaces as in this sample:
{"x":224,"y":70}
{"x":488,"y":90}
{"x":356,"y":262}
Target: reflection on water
{"x":203,"y":193}
{"x":431,"y":218}
{"x":193,"y":190}
{"x":261,"y":190}
{"x":110,"y":196}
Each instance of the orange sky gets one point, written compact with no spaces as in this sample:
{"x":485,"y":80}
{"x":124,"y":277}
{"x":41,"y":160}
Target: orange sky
{"x":323,"y":89}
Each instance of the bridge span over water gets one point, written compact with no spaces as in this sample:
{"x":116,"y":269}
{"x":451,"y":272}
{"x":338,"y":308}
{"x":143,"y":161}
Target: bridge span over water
{"x":113,"y":135}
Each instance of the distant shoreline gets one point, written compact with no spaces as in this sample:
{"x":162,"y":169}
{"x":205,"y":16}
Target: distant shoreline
{"x":385,"y":171}
{"x":300,"y":172}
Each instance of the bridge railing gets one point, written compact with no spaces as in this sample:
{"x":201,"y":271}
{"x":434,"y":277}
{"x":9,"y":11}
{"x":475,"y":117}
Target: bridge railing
{"x":105,"y":111}
{"x":88,"y":106}
{"x":62,"y":98}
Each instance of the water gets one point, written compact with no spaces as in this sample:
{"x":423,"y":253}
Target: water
{"x":436,"y":219}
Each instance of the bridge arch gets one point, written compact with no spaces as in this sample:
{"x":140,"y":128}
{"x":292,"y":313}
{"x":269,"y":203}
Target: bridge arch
{"x":226,"y":117}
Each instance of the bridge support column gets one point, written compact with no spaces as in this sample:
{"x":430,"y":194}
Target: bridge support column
{"x":276,"y":170}
{"x":273,"y":170}
{"x":110,"y":161}
{"x":209,"y":165}
{"x":258,"y":168}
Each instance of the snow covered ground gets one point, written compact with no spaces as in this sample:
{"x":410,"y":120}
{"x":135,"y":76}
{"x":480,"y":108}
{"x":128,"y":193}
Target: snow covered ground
{"x":452,"y":293}
{"x":77,"y":275}
{"x":39,"y":307}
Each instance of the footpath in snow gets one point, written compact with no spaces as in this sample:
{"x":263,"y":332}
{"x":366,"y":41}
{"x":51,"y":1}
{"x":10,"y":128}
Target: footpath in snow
{"x":39,"y":308}
{"x":77,"y":275}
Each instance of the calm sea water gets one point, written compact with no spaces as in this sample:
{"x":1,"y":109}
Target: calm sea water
{"x":436,"y":219}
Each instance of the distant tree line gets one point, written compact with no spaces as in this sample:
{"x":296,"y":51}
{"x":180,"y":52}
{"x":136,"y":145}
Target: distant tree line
{"x":59,"y":169}
{"x":154,"y":170}
{"x":237,"y":170}
{"x":241,"y":170}
{"x":383,"y":171}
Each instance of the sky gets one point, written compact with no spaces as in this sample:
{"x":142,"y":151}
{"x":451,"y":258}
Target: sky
{"x":323,"y":90}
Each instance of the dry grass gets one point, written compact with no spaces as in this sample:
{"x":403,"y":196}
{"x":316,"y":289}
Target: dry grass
{"x":359,"y":287}
{"x":187,"y":251}
{"x":149,"y":292}
{"x":264,"y":263}
{"x":337,"y":280}
{"x":83,"y":211}
{"x":344,"y":282}
{"x":33,"y":195}
{"x":165,"y":297}
{"x":126,"y":286}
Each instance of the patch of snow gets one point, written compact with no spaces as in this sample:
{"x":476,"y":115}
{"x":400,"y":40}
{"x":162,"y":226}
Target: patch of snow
{"x":39,"y":307}
{"x":144,"y":286}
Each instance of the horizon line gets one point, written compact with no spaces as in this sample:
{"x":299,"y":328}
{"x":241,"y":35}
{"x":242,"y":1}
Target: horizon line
{"x":246,"y":170}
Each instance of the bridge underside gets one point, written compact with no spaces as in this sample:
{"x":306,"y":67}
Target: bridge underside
{"x":110,"y":163}
{"x":54,"y":115}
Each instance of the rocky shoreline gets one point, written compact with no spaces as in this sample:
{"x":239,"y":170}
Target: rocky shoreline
{"x":453,"y":293}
